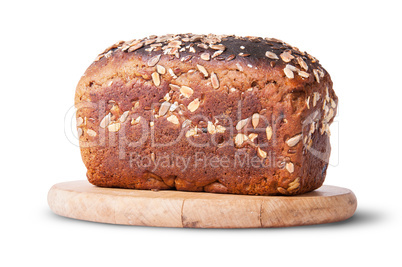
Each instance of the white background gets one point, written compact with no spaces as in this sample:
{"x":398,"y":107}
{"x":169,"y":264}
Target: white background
{"x":47,"y":45}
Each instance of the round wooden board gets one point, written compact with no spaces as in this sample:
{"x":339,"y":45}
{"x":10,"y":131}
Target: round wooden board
{"x":165,"y":208}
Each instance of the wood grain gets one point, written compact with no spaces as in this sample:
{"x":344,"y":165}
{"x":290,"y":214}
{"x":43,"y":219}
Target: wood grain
{"x":83,"y":201}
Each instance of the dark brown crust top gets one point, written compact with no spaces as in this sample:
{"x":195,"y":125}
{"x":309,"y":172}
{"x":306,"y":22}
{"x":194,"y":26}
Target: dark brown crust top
{"x":272,"y":52}
{"x":207,"y":76}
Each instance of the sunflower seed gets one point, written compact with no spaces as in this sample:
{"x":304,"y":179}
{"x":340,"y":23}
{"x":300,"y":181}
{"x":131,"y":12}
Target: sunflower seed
{"x":193,"y":106}
{"x":252,"y":136}
{"x":261,"y":153}
{"x":91,"y":132}
{"x":316,"y":75}
{"x":240,"y":138}
{"x":173,"y":119}
{"x":79,"y":132}
{"x":230,"y":57}
{"x":105,"y":121}
{"x":321,"y":72}
{"x":268,"y":131}
{"x":294,"y":185}
{"x":192,"y":50}
{"x":330,"y":115}
{"x":203,"y":46}
{"x":316,"y":97}
{"x":289,"y":73}
{"x":292,"y":68}
{"x":282,"y":190}
{"x":174,"y":106}
{"x":255,"y":119}
{"x":290,"y":167}
{"x":156,"y":45}
{"x":124,"y":116}
{"x":191,"y":132}
{"x":160,"y":69}
{"x":205,"y":56}
{"x":203,"y":70}
{"x":80,"y":121}
{"x":156,"y":79}
{"x":240,"y":125}
{"x":214,"y":80}
{"x":174,"y":44}
{"x":211,"y":128}
{"x":171,"y":72}
{"x":308,"y":102}
{"x":239,"y":67}
{"x":148,"y":42}
{"x":312,"y":128}
{"x":108,"y":54}
{"x":164,"y":108}
{"x":153,"y":60}
{"x":302,"y":63}
{"x":303,"y":74}
{"x":186,"y":58}
{"x":125,"y":47}
{"x":166,"y":97}
{"x":217,"y":53}
{"x":174,"y":87}
{"x":333,"y":104}
{"x":287,"y":56}
{"x":294,"y":140}
{"x":114,"y":127}
{"x":186,"y":91}
{"x":323,"y":128}
{"x":218,"y":47}
{"x":135,"y":47}
{"x":271,"y":55}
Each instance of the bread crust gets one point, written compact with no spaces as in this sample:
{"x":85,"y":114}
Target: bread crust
{"x":224,"y":114}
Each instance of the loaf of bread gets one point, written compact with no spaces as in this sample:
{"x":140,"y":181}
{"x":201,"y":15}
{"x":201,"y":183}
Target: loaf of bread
{"x":213,"y":113}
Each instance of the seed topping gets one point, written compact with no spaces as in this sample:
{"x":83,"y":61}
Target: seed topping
{"x":261,"y":153}
{"x":203,"y":70}
{"x":239,"y":139}
{"x":205,"y":56}
{"x":214,"y":80}
{"x":240,"y":125}
{"x":91,"y":132}
{"x":164,"y":108}
{"x":186,"y":91}
{"x":193,"y":106}
{"x":114,"y":127}
{"x":290,"y":167}
{"x":268,"y":132}
{"x":173,"y":119}
{"x":271,"y":55}
{"x":124,"y":116}
{"x":153,"y":60}
{"x":294,"y":140}
{"x":287,"y":56}
{"x":155,"y":78}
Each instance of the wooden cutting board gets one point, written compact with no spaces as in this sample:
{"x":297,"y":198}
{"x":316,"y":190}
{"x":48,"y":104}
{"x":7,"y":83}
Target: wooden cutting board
{"x":166,"y":208}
